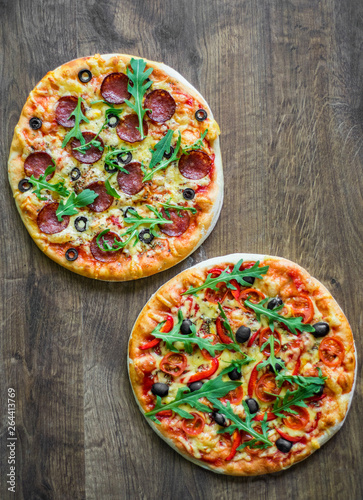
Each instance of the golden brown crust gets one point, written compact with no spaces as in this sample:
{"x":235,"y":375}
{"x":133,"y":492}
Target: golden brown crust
{"x":64,"y":81}
{"x":283,"y":278}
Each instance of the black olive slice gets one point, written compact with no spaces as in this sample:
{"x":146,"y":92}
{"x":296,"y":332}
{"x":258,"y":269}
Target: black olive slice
{"x":109,"y":169}
{"x":160,"y":389}
{"x":283,"y":445}
{"x":24,"y":185}
{"x":129,"y":212}
{"x":85,"y":75}
{"x":320,"y":329}
{"x":249,"y":279}
{"x":220,"y":419}
{"x":112,"y":120}
{"x":195,"y":386}
{"x":235,"y":374}
{"x":252,"y":404}
{"x":275,"y":302}
{"x":201,"y":115}
{"x":124,"y":158}
{"x":75,"y":174}
{"x":185,"y":327}
{"x":81,"y":223}
{"x":71,"y":254}
{"x":145,"y":236}
{"x":243,"y":334}
{"x":35,"y":123}
{"x":170,"y":154}
{"x":278,"y":367}
{"x":188,"y":194}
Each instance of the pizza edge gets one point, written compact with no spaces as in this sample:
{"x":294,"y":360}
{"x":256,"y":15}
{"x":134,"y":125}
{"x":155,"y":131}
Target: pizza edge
{"x":191,"y":277}
{"x":131,"y":268}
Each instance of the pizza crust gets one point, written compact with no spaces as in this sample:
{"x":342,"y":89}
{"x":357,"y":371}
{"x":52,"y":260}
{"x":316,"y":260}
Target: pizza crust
{"x":144,"y":324}
{"x":126,"y":268}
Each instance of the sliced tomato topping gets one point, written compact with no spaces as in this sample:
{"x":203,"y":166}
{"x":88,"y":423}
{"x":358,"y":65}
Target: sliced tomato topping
{"x":236,"y":442}
{"x":302,"y":306}
{"x":293,"y":439}
{"x":270,"y":416}
{"x":222,"y":333}
{"x":299,"y":421}
{"x":252,"y":381}
{"x":235,"y":396}
{"x":164,"y":414}
{"x":208,"y":372}
{"x":194,"y":426}
{"x":331,"y":351}
{"x":247,"y":437}
{"x":212,"y":296}
{"x":173,"y":363}
{"x":247,"y":265}
{"x":253,"y":338}
{"x":166,"y":328}
{"x":267,"y":384}
{"x":265,"y":335}
{"x":253,"y":295}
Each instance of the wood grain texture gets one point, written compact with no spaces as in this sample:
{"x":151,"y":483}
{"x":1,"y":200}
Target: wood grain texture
{"x":284,"y":80}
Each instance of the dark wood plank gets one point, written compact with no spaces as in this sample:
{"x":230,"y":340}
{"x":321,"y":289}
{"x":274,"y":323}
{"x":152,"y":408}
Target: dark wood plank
{"x":284,"y":80}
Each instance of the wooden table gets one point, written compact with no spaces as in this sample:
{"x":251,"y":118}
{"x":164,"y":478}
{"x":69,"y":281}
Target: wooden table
{"x":284,"y":79}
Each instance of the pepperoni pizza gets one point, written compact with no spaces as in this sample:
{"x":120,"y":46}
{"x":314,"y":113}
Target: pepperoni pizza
{"x":115,"y":167}
{"x":244,"y":364}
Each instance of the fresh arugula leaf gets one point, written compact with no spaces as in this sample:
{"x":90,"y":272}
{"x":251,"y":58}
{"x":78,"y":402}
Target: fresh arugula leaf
{"x":179,"y":208}
{"x":70,"y":206}
{"x":212,"y":389}
{"x":271,"y":360}
{"x":160,"y":148}
{"x":164,"y":163}
{"x":227,"y":276}
{"x":236,"y":363}
{"x":112,"y":162}
{"x":93,"y":142}
{"x":76,"y":131}
{"x":139,"y":79}
{"x":284,"y":403}
{"x":110,"y":190}
{"x":42,"y":183}
{"x":255,"y":442}
{"x":293,"y":324}
{"x":300,"y":380}
{"x":225,"y":323}
{"x":198,"y":144}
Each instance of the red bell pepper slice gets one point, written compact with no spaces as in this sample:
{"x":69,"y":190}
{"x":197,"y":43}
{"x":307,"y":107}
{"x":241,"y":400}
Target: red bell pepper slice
{"x":235,"y":445}
{"x":221,"y":334}
{"x":253,"y":338}
{"x":205,"y":373}
{"x":252,"y":381}
{"x":292,"y":439}
{"x":164,"y":329}
{"x":270,"y":416}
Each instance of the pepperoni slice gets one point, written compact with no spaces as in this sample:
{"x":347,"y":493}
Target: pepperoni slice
{"x":131,"y":183}
{"x":180,"y":224}
{"x":99,"y":254}
{"x":195,"y":165}
{"x":161,"y":105}
{"x":36,"y":164}
{"x":127,"y":131}
{"x":66,"y":105}
{"x":114,"y":88}
{"x":48,"y":222}
{"x":92,"y":154}
{"x":103,"y":200}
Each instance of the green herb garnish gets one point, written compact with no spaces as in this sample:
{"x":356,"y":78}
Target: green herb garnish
{"x":113,"y":163}
{"x":300,"y":380}
{"x":271,"y":360}
{"x":41,"y":183}
{"x":139,"y":79}
{"x":214,"y":388}
{"x":163,"y":163}
{"x":76,"y":131}
{"x":160,"y":148}
{"x":179,"y":208}
{"x":227,"y":276}
{"x":293,"y":324}
{"x":80,"y":200}
{"x":110,"y":190}
{"x":198,"y":144}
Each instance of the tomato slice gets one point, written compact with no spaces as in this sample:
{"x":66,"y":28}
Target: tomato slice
{"x":236,"y":442}
{"x":303,"y":306}
{"x":194,"y":426}
{"x":255,"y":296}
{"x":173,"y":363}
{"x":235,"y":396}
{"x":247,"y":265}
{"x":247,"y":437}
{"x":166,"y":328}
{"x":267,"y":383}
{"x":221,"y":332}
{"x":164,"y":414}
{"x":205,"y":373}
{"x":252,"y":381}
{"x":212,"y":296}
{"x":270,"y":416}
{"x":264,"y":336}
{"x":331,"y":351}
{"x":299,"y":421}
{"x":293,"y":439}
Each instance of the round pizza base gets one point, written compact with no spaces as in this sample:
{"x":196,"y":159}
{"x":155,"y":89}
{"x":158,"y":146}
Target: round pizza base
{"x":233,"y":259}
{"x":162,"y":265}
